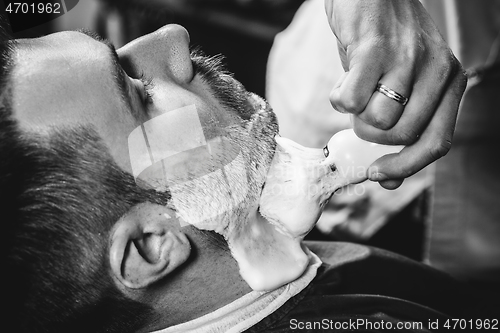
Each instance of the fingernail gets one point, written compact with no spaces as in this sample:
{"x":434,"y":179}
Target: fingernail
{"x":376,"y":176}
{"x":340,"y":109}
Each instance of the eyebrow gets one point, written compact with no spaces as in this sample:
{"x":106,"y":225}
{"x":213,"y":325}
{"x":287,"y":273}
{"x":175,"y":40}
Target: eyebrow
{"x":117,"y":71}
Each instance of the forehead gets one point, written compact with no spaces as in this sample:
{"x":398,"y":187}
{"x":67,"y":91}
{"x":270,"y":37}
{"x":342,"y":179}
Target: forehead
{"x":58,"y":73}
{"x":65,"y":46}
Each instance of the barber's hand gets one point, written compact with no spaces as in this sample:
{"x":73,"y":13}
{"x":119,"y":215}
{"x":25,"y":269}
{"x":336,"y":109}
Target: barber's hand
{"x":395,"y":42}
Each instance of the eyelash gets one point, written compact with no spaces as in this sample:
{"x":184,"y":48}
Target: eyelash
{"x":148,"y":84}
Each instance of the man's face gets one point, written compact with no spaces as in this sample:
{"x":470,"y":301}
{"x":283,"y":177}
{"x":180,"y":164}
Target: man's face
{"x":71,"y":79}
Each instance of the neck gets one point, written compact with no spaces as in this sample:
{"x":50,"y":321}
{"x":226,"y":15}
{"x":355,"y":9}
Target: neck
{"x":196,"y":289}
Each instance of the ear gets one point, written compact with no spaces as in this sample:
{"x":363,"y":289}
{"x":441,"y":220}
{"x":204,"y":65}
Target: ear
{"x":146,"y":245}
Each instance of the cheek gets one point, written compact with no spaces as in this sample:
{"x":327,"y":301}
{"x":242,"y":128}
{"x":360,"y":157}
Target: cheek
{"x":220,"y":198}
{"x":174,"y":148}
{"x":115,"y":128}
{"x":214,"y":200}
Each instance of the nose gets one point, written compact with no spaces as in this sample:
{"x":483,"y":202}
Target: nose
{"x":163,"y":53}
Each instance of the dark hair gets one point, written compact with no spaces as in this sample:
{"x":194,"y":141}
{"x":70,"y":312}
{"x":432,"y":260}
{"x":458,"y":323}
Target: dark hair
{"x":60,"y":194}
{"x":5,"y":32}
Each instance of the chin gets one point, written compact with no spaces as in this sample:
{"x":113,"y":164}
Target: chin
{"x":267,"y":258}
{"x":223,"y":200}
{"x":258,"y":146}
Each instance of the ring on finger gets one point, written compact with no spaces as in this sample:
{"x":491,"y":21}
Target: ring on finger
{"x":383,"y":89}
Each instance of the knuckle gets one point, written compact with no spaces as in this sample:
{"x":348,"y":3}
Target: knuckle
{"x":461,"y":79}
{"x":375,"y":43}
{"x":444,"y":69}
{"x":349,"y":103}
{"x":334,"y":101}
{"x":440,"y":149}
{"x":449,"y":69}
{"x":413,"y":52}
{"x":447,"y":64}
{"x":411,"y":59}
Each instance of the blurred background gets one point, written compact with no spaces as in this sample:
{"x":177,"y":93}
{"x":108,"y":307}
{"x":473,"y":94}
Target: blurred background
{"x":242,"y":30}
{"x":448,"y":215}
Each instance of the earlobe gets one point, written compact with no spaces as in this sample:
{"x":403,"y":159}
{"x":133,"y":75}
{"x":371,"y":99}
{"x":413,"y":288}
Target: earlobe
{"x":146,"y":245}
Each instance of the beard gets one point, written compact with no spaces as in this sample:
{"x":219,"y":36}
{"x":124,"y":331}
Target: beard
{"x":237,"y":160}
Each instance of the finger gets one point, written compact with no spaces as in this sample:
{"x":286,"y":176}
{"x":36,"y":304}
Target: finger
{"x":434,"y":142}
{"x":337,"y":86}
{"x":359,"y":83}
{"x":425,"y":98}
{"x":383,"y":112}
{"x":391,"y":184}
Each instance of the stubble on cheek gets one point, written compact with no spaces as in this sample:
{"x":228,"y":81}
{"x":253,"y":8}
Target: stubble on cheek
{"x":220,"y":199}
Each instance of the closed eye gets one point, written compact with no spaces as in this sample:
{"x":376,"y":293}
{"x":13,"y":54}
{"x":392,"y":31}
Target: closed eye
{"x":144,"y":86}
{"x":148,"y":85}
